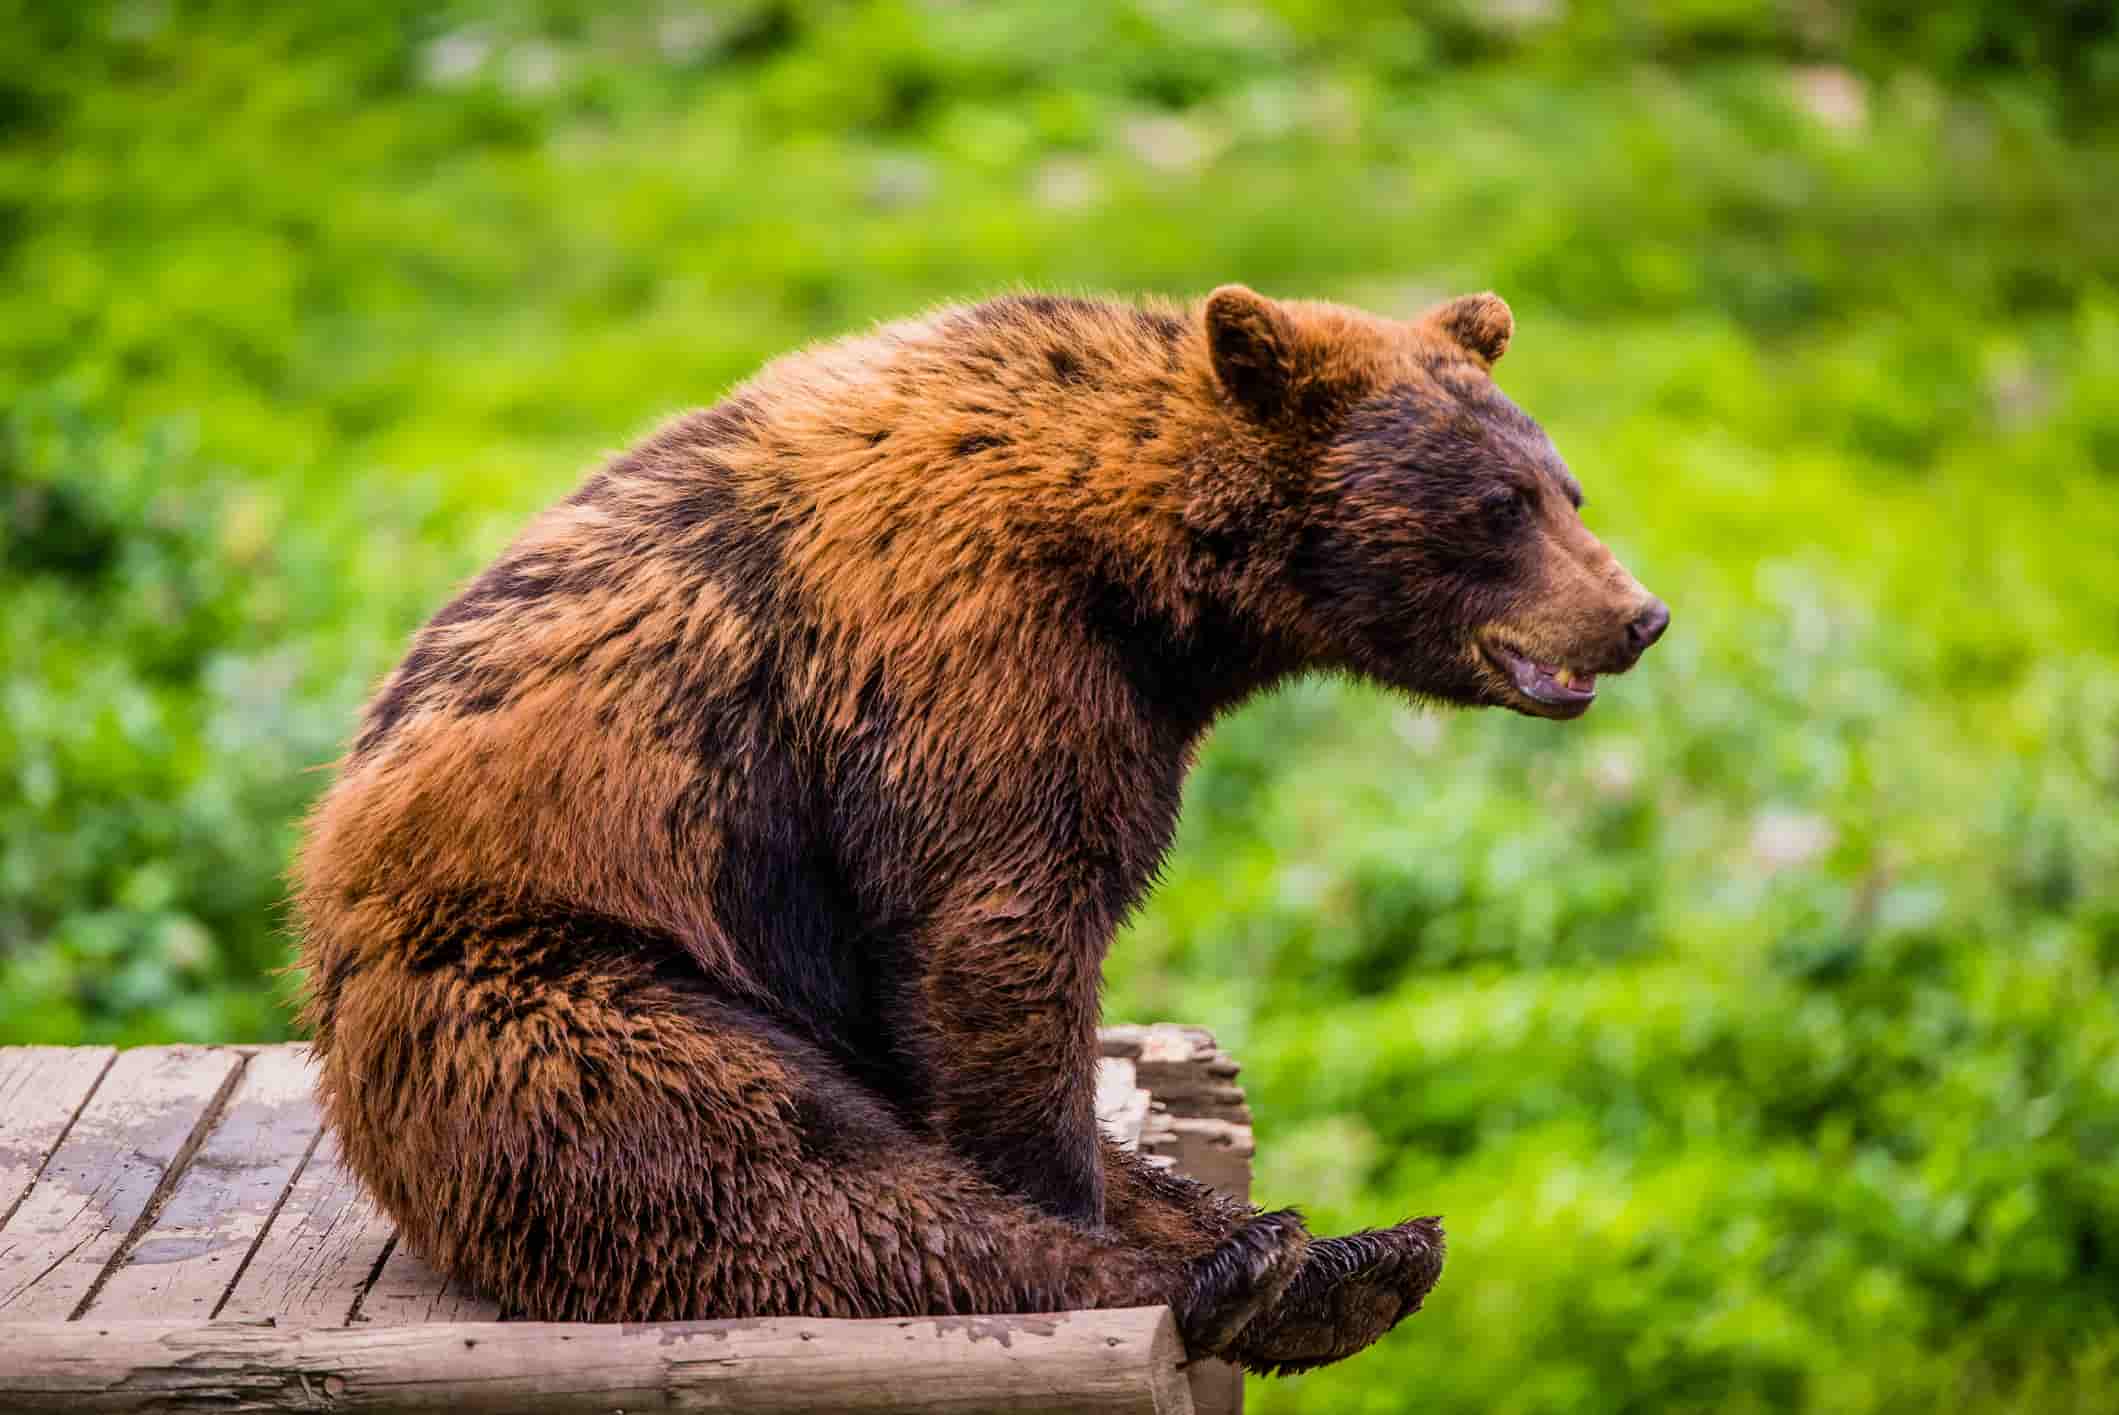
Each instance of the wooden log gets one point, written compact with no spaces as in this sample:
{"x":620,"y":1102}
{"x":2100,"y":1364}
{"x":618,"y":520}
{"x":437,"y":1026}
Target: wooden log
{"x":139,"y":1129}
{"x":1113,"y":1361}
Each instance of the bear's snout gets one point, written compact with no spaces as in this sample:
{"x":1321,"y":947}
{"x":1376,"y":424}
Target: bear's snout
{"x":1646,"y":627}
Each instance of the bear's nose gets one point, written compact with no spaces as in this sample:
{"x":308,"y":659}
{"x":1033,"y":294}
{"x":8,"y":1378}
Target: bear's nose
{"x":1647,"y":626}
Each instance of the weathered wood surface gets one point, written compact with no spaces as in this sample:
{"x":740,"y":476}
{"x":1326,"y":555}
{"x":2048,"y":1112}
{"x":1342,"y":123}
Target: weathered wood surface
{"x":1113,"y":1361}
{"x":1183,"y":1068}
{"x":407,"y":1291}
{"x":1197,"y":1122}
{"x":320,"y":1254}
{"x":42,"y":1089}
{"x":1122,"y":1107}
{"x":144,"y":1191}
{"x":137,"y":1130}
{"x":188,"y":1257}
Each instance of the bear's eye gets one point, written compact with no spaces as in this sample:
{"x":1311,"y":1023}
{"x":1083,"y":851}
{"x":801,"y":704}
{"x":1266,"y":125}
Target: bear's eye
{"x":1506,"y":507}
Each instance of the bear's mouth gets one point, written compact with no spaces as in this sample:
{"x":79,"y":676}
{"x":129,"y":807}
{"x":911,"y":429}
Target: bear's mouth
{"x":1552,"y":689}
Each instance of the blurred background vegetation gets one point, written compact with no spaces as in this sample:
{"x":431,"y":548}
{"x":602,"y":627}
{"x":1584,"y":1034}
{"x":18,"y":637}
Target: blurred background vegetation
{"x":1756,"y":1035}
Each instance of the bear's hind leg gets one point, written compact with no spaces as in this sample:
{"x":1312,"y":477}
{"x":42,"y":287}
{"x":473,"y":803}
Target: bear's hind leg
{"x":602,"y":1144}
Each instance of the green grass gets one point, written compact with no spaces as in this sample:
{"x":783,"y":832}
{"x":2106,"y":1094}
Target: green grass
{"x":1756,"y":1036}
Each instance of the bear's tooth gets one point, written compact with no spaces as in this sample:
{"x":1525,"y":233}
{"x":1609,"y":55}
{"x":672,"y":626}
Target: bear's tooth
{"x":1565,"y":678}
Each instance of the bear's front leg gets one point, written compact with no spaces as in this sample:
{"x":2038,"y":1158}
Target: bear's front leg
{"x":1011,"y":1052}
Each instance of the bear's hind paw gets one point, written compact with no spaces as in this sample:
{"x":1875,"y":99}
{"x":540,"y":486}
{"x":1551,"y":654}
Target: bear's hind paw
{"x":1350,"y":1291}
{"x":1229,"y":1287}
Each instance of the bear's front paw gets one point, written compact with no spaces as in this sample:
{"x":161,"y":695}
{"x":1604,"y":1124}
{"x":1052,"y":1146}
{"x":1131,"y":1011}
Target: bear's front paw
{"x":1349,"y":1292}
{"x":1229,"y":1287}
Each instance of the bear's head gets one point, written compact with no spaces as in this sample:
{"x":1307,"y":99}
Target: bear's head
{"x":1426,"y":534}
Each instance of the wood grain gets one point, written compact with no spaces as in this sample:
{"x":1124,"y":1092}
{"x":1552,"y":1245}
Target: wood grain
{"x":42,"y":1089}
{"x":190,"y":1254}
{"x":320,"y":1252}
{"x":1085,"y":1363}
{"x":407,"y":1290}
{"x":138,"y":1127}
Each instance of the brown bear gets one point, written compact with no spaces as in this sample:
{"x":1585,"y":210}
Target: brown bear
{"x":708,"y":917}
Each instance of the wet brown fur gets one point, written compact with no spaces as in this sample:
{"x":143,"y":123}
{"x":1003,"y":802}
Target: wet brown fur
{"x":708,"y":918}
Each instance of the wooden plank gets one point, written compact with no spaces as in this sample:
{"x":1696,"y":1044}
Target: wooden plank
{"x":1123,"y":1362}
{"x":189,"y":1256}
{"x":318,"y":1255}
{"x":135,"y":1132}
{"x":407,"y":1291}
{"x":42,"y":1089}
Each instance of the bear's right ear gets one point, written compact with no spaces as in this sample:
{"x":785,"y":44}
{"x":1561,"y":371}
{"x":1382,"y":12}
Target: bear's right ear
{"x":1479,"y":324}
{"x":1253,"y":345}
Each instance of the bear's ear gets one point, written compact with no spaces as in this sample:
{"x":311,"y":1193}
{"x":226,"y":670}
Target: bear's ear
{"x":1252,"y":342}
{"x":1479,"y":324}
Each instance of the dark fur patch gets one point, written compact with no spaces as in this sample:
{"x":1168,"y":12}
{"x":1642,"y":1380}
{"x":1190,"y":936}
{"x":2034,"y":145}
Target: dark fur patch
{"x":729,"y":422}
{"x":429,"y":674}
{"x":516,"y":583}
{"x":972,"y":444}
{"x":782,"y":894}
{"x":734,"y":542}
{"x":397,"y":699}
{"x":592,"y":491}
{"x":1030,"y":310}
{"x":1165,"y":327}
{"x":1066,"y":367}
{"x":1181,"y":676}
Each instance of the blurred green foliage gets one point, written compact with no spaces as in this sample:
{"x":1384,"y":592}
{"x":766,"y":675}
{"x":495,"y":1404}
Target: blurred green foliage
{"x":1756,"y":1036}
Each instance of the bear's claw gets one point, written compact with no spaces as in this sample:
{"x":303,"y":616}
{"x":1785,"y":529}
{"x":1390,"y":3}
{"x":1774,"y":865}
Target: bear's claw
{"x":1348,"y":1293}
{"x":1229,"y":1287}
